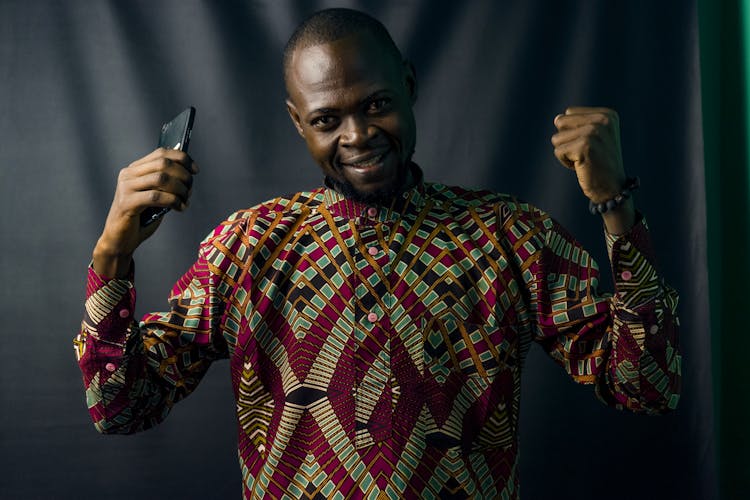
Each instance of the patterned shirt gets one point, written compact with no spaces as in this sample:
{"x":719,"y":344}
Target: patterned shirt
{"x":376,"y":351}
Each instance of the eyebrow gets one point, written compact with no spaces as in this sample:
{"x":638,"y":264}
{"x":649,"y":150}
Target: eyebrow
{"x":321,"y":111}
{"x":325,"y":111}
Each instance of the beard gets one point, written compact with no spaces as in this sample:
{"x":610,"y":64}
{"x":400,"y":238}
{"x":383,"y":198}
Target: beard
{"x":382,"y":196}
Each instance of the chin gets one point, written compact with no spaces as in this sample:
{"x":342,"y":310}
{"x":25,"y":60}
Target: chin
{"x":380,"y":195}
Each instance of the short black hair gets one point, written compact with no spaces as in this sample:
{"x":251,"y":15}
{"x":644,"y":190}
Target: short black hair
{"x":333,"y":24}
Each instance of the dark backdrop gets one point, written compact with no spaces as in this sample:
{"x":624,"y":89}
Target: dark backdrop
{"x":85,"y":86}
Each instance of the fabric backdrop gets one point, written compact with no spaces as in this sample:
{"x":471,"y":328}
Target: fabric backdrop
{"x":85,"y":87}
{"x":725,"y":88}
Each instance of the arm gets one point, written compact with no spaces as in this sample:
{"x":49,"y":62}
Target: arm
{"x":135,"y":372}
{"x":110,"y":346}
{"x":627,"y":343}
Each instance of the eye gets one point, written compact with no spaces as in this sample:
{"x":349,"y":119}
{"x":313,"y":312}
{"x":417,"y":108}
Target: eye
{"x":379,"y":105}
{"x":323,"y":122}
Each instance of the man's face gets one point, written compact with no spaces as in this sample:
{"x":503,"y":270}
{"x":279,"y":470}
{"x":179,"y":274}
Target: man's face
{"x":352,"y":103}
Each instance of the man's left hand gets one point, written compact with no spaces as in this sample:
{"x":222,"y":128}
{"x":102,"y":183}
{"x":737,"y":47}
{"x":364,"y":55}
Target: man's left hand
{"x":588,"y":141}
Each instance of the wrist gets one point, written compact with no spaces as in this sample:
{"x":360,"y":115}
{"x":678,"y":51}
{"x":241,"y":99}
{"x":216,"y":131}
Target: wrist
{"x":619,"y":199}
{"x":620,"y":219}
{"x":110,"y":261}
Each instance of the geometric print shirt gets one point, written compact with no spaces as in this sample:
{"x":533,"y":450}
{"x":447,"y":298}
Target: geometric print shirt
{"x":376,"y":351}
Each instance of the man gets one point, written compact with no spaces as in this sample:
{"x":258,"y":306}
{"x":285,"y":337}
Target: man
{"x":376,"y":327}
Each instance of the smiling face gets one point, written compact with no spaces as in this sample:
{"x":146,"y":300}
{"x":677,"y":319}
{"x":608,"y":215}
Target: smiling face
{"x":352,"y":103}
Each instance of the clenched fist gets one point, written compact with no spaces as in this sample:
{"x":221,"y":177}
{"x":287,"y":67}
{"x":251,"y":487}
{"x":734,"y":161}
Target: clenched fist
{"x":588,"y":142}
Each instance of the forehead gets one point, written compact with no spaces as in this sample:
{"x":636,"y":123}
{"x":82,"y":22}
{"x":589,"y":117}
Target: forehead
{"x":353,"y":63}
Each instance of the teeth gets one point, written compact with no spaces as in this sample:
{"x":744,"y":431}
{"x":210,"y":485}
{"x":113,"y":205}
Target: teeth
{"x":368,"y":163}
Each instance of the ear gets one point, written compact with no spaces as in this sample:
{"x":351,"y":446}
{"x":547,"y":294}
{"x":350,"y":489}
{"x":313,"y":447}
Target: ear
{"x":410,"y":80}
{"x":294,"y":115}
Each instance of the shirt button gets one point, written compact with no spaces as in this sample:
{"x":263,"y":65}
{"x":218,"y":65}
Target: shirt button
{"x":372,"y":251}
{"x":372,"y":211}
{"x":372,"y":317}
{"x":654,"y":329}
{"x":110,"y":367}
{"x":626,"y":275}
{"x":124,"y":313}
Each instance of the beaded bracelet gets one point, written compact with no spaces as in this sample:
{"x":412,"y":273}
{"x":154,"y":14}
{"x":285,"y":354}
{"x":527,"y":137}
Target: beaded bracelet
{"x":631,"y":184}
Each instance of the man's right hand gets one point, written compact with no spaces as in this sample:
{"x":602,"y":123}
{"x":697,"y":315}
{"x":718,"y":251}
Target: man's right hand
{"x":163,"y":178}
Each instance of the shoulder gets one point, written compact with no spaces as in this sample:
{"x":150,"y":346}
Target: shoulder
{"x":263,"y":214}
{"x":507,"y":207}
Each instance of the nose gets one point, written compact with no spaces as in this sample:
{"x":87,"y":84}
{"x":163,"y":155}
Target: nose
{"x":356,"y":132}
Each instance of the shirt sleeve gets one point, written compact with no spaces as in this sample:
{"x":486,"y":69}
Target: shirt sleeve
{"x":134,"y":372}
{"x":625,"y":343}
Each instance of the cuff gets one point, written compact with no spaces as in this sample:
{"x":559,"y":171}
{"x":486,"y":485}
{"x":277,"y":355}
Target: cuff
{"x":633,"y":266}
{"x":110,"y":305}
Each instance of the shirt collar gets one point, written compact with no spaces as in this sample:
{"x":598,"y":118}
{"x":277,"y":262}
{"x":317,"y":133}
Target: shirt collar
{"x":410,"y":200}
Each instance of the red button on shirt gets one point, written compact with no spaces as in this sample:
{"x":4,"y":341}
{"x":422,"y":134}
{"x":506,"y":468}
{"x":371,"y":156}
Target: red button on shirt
{"x":372,"y":211}
{"x":372,"y":317}
{"x":626,"y":275}
{"x":124,"y":313}
{"x":110,"y":367}
{"x":372,"y":251}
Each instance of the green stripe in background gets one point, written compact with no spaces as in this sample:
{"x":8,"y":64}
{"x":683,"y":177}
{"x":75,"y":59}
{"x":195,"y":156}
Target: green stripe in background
{"x":744,"y":64}
{"x":725,"y":53}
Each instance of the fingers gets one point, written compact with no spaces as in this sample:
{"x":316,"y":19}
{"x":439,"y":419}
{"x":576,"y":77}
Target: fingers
{"x":154,"y":198}
{"x":162,"y":182}
{"x":582,"y":110}
{"x":574,"y":152}
{"x":161,"y":165}
{"x":572,"y":134}
{"x":573,"y":143}
{"x":582,"y":130}
{"x":576,"y":116}
{"x":174,"y":155}
{"x":162,"y":178}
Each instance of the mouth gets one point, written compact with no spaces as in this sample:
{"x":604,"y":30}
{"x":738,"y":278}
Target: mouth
{"x":366,"y":162}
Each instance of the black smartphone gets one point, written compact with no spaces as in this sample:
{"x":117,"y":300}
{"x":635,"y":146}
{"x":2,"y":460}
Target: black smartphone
{"x":175,"y":134}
